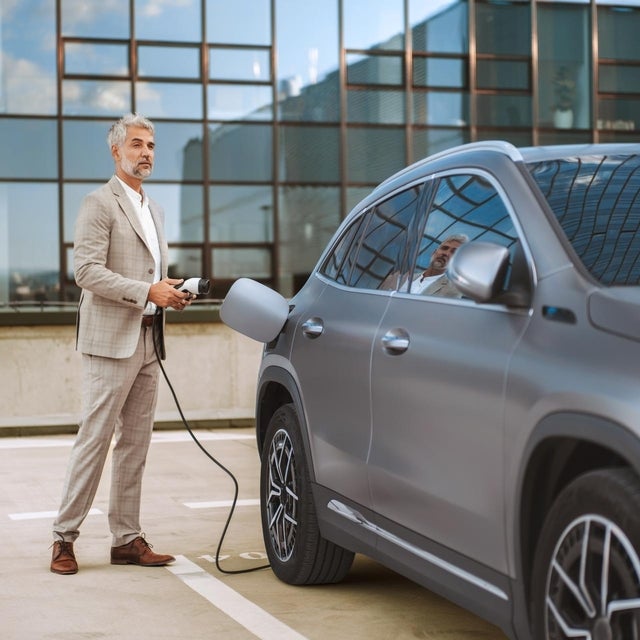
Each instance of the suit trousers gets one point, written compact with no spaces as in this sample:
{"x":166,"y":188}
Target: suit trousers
{"x":118,"y":397}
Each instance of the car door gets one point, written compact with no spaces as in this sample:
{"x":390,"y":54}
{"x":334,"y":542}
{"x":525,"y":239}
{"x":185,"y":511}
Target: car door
{"x":331,"y":352}
{"x":438,"y":375}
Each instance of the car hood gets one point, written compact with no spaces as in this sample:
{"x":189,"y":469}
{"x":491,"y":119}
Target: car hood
{"x":617,"y":310}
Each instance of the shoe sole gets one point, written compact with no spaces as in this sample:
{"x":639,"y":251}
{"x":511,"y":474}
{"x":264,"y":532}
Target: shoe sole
{"x":64,"y":573}
{"x":140,"y":564}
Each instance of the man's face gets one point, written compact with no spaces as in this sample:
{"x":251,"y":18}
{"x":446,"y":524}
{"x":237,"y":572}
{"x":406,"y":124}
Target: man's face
{"x":135,"y":156}
{"x":442,"y":255}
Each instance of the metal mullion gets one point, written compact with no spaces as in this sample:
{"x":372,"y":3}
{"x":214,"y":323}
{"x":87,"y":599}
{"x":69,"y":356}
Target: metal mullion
{"x":205,"y":247}
{"x":62,"y":260}
{"x":275,"y":154}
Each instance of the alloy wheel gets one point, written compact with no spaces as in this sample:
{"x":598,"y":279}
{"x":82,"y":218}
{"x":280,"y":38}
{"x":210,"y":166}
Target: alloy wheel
{"x":593,"y":583}
{"x":282,"y":496}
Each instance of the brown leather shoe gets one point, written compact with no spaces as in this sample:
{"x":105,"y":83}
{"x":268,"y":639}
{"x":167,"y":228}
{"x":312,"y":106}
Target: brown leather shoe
{"x":63,"y":560}
{"x":138,"y":551}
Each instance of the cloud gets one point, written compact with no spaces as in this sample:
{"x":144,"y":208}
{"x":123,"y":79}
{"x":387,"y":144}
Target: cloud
{"x":154,"y":8}
{"x":26,"y":88}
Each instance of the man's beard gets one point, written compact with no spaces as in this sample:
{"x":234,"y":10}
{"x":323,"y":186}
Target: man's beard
{"x":134,"y":170}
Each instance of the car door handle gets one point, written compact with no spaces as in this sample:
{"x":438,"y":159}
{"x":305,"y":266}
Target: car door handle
{"x":312,"y":328}
{"x":395,"y":341}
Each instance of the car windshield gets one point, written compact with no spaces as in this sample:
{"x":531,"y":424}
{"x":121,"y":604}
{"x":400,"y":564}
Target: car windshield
{"x":596,"y":200}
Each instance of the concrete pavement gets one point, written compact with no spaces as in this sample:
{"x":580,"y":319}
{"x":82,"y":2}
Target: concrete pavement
{"x":185,"y":500}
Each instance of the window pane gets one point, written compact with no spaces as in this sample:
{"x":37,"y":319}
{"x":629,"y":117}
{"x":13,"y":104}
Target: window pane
{"x":241,"y":213}
{"x":374,"y":69}
{"x":441,"y":108}
{"x":439,"y":72}
{"x":178,"y":153}
{"x":309,"y":154}
{"x":335,"y":265}
{"x":379,"y":263}
{"x":169,"y":62}
{"x":96,"y":59}
{"x":186,"y":263}
{"x":82,"y":140}
{"x":27,"y":68}
{"x":308,"y":218}
{"x":183,"y":206}
{"x":439,"y":26}
{"x":504,"y":110}
{"x":227,"y":21}
{"x":171,"y":21}
{"x":240,"y":64}
{"x":96,"y":97}
{"x":169,"y":100}
{"x":373,"y":24}
{"x":29,"y":254}
{"x":315,"y":103}
{"x":237,"y":263}
{"x":428,"y":142}
{"x":503,"y":28}
{"x":618,"y":29}
{"x":94,"y":19}
{"x":240,"y":102}
{"x":564,"y":38}
{"x":503,"y":74}
{"x":374,"y":154}
{"x":308,"y":59}
{"x":72,"y":195}
{"x":618,"y":79}
{"x":241,"y":153}
{"x":376,"y":106}
{"x":621,"y":114}
{"x":29,"y":148}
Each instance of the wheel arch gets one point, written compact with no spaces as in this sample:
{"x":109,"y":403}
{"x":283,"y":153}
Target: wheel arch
{"x":277,"y":387}
{"x":562,"y":447}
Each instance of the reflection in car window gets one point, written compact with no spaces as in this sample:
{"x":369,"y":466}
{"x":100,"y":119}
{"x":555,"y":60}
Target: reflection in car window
{"x":596,"y":199}
{"x":335,"y":266}
{"x":384,"y":242}
{"x":464,"y":205}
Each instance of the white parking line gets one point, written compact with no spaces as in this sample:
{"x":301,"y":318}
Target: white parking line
{"x":246,"y":613}
{"x":216,"y":504}
{"x":159,"y":437}
{"x":35,"y":515}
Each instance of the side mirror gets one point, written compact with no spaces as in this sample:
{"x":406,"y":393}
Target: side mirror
{"x":478,"y":270}
{"x":254,"y":310}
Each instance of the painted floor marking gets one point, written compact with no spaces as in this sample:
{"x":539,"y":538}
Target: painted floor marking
{"x":246,"y":613}
{"x":159,"y":437}
{"x":216,"y":504}
{"x":35,"y":515}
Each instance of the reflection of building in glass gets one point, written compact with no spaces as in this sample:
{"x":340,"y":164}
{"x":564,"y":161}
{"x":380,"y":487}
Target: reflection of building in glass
{"x":281,"y":118}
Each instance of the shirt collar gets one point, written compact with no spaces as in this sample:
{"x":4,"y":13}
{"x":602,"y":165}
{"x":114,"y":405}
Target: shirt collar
{"x":134,"y":196}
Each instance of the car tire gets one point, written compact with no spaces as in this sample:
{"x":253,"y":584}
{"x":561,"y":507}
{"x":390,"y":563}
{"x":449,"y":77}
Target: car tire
{"x":297,"y":552}
{"x":586,"y":576}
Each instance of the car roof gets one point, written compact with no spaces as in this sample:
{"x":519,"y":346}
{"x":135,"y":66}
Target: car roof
{"x":493,"y":149}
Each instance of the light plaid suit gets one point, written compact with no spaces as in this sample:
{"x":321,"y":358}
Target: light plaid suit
{"x":115,"y":267}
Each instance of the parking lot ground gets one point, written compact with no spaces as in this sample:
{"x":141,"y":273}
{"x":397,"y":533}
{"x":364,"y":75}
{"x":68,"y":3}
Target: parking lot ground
{"x":185,"y":506}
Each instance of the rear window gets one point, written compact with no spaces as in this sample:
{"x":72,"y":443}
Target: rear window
{"x":596,"y":200}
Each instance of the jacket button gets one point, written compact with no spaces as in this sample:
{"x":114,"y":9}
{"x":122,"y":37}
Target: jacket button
{"x":150,"y":271}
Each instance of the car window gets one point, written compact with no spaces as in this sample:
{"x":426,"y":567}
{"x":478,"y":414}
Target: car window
{"x":338,"y":264}
{"x":466,"y":207}
{"x":596,"y":200}
{"x":372,"y":253}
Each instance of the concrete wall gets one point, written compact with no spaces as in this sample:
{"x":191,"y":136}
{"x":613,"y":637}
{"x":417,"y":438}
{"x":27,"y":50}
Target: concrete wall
{"x":212,"y":369}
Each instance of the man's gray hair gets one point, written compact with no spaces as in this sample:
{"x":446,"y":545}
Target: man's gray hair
{"x":118,"y":131}
{"x":457,"y":237}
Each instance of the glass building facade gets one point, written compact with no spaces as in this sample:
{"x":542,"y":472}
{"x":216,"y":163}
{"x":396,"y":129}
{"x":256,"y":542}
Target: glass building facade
{"x":274,"y":117}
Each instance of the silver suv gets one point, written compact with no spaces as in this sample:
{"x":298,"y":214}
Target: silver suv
{"x":455,"y":391}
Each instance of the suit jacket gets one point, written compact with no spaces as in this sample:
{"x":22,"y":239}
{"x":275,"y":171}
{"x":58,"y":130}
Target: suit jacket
{"x":442,"y":287}
{"x":115,"y":267}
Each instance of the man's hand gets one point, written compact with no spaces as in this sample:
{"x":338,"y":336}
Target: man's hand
{"x":164,"y":294}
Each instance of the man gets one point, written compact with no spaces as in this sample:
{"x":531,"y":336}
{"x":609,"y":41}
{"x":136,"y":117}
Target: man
{"x":120,"y":262}
{"x":433,"y":280}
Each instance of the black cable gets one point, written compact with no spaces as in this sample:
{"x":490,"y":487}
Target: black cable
{"x":158,"y":318}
